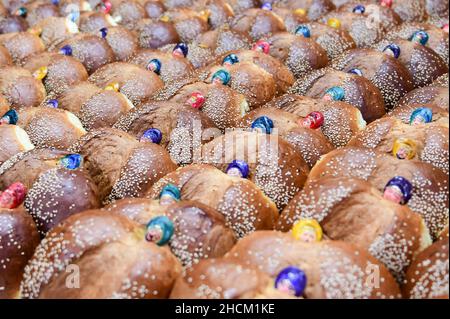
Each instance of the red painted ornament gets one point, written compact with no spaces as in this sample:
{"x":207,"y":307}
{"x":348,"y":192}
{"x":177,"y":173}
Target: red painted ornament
{"x":313,"y":120}
{"x":261,"y":46}
{"x":196,"y":100}
{"x":13,"y":196}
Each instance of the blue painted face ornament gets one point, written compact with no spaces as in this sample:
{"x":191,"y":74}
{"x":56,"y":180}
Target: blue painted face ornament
{"x":21,"y":12}
{"x":292,"y":281}
{"x":392,"y":50}
{"x":10,"y":117}
{"x":303,"y":30}
{"x":421,"y":115}
{"x":66,"y":50}
{"x":154,"y":65}
{"x":103,"y":32}
{"x":336,"y":93}
{"x":169,"y":194}
{"x":356,"y":71}
{"x":267,"y":6}
{"x":53,"y":103}
{"x":221,"y":77}
{"x":151,"y":135}
{"x":159,"y":230}
{"x":360,"y":9}
{"x":180,"y":50}
{"x":71,"y":161}
{"x":238,"y":168}
{"x":420,"y":37}
{"x":398,"y":190}
{"x":230,"y":59}
{"x":263,"y":124}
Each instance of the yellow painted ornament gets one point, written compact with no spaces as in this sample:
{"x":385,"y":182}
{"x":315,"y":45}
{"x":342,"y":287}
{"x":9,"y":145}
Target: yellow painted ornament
{"x":307,"y":230}
{"x":300,"y":11}
{"x":404,"y":148}
{"x":164,"y":18}
{"x":334,"y":23}
{"x":112,"y":87}
{"x":204,"y":14}
{"x":40,"y":73}
{"x":36,"y":31}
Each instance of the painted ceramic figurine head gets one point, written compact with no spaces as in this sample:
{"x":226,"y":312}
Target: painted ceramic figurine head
{"x":421,"y":115}
{"x":313,"y":120}
{"x":263,"y":124}
{"x":169,"y":194}
{"x":159,"y":230}
{"x":238,"y":168}
{"x":292,"y":281}
{"x":151,"y":135}
{"x":307,"y":230}
{"x":404,"y":148}
{"x":398,"y":190}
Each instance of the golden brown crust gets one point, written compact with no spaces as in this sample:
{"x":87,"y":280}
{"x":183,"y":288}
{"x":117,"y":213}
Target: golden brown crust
{"x":13,"y":140}
{"x":388,"y":74}
{"x":38,"y":10}
{"x":427,"y":277}
{"x":93,"y":21}
{"x":256,"y":84}
{"x":123,"y":42}
{"x":430,"y":185}
{"x":438,"y":38}
{"x":88,"y":244}
{"x":92,"y":51}
{"x":120,"y":165}
{"x":223,"y":105}
{"x":129,"y":12}
{"x":62,"y":71}
{"x":282,"y":76}
{"x":258,"y":23}
{"x":404,"y":112}
{"x":431,"y":139}
{"x":5,"y":57}
{"x":341,"y":120}
{"x":359,"y":91}
{"x":94,"y":107}
{"x":135,"y":82}
{"x":18,"y":239}
{"x":55,"y":30}
{"x":59,"y":193}
{"x":353,"y":211}
{"x":64,"y":130}
{"x":20,"y":88}
{"x":310,"y":143}
{"x":422,"y":62}
{"x":156,"y":34}
{"x":437,"y":95}
{"x":244,"y":205}
{"x":181,"y":126}
{"x":172,"y":68}
{"x":364,"y":31}
{"x":334,"y":269}
{"x":301,"y":55}
{"x":334,"y":41}
{"x":13,"y":23}
{"x":224,"y":278}
{"x":21,"y":45}
{"x":200,"y":230}
{"x":26,"y":167}
{"x":223,"y":40}
{"x":275,"y":166}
